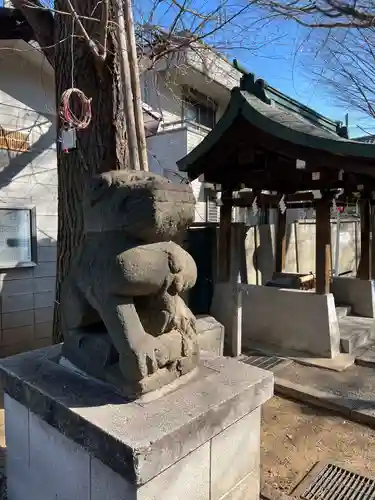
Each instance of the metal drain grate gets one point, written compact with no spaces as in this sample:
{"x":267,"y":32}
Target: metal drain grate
{"x":265,"y":362}
{"x":335,"y":483}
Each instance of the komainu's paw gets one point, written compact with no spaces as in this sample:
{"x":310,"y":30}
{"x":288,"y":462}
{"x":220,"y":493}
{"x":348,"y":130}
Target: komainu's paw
{"x":142,"y":362}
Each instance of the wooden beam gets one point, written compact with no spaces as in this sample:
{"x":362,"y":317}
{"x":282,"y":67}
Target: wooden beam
{"x":364,"y":267}
{"x":323,"y":246}
{"x":225,"y":237}
{"x":293,"y":200}
{"x":280,"y":258}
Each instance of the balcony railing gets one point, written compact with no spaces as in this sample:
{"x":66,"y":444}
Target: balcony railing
{"x":176,"y":125}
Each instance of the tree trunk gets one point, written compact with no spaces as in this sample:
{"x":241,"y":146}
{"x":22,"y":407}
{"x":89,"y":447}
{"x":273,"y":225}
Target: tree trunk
{"x":100,"y":147}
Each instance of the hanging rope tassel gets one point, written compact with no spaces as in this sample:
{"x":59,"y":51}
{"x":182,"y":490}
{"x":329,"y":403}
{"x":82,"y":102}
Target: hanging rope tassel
{"x":69,"y":119}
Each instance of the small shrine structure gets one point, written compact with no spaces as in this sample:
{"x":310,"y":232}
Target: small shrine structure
{"x":272,"y":150}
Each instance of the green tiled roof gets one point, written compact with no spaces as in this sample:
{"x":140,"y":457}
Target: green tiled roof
{"x":291,"y":122}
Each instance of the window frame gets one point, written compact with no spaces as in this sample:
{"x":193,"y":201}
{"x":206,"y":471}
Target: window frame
{"x":193,"y":97}
{"x":33,"y":237}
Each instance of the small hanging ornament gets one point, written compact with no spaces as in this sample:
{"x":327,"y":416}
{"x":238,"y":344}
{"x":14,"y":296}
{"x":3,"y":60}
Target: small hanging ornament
{"x":255,"y":207}
{"x":334,"y":207}
{"x":357,"y":198}
{"x":282,"y":204}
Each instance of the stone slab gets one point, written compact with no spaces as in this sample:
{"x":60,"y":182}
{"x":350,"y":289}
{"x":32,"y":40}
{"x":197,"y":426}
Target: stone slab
{"x":232,"y":447}
{"x":339,"y":363}
{"x":355,"y":332}
{"x":224,"y":468}
{"x":286,"y":319}
{"x":342,"y":311}
{"x":350,"y":392}
{"x":356,"y":293}
{"x":366,"y":357}
{"x":113,"y":430}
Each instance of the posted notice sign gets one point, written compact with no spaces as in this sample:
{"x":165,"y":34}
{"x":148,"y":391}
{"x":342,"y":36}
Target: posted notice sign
{"x":15,"y":237}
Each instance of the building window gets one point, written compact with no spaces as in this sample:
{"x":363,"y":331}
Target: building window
{"x":198,"y":108}
{"x":212,"y":208}
{"x":17,"y":237}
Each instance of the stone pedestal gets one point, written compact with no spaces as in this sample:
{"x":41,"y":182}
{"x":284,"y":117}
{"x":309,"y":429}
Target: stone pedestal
{"x":356,"y":293}
{"x":71,"y":437}
{"x":281,"y":320}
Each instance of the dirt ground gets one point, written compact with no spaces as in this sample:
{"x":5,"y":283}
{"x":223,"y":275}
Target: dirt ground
{"x":295,"y":437}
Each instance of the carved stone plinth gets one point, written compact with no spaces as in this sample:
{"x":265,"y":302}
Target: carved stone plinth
{"x":70,"y":436}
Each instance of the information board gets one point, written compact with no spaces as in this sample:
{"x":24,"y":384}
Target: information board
{"x":15,"y":237}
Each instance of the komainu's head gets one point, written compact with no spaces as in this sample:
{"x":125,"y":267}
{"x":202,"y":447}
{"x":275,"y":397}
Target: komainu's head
{"x":146,"y":206}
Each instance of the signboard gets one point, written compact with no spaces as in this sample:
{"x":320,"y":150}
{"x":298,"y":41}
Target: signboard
{"x":15,"y":237}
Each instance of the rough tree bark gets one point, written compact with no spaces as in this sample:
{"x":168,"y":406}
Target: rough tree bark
{"x":100,"y":147}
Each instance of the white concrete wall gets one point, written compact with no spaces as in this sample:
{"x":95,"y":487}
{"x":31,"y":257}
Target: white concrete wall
{"x":163,"y":94}
{"x":356,"y":293}
{"x":162,"y":90}
{"x":27,"y":295}
{"x":214,"y":67}
{"x":283,"y":320}
{"x":166,"y":148}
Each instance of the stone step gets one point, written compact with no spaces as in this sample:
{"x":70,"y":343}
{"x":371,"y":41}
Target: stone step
{"x":366,"y":357}
{"x":355,"y":331}
{"x":342,"y":311}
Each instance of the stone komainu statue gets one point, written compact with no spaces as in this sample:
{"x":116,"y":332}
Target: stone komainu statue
{"x":122,"y":316}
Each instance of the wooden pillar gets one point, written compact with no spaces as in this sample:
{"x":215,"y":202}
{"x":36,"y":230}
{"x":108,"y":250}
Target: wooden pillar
{"x":364,"y":267}
{"x":323,"y":246}
{"x":225,"y":237}
{"x":280,"y":259}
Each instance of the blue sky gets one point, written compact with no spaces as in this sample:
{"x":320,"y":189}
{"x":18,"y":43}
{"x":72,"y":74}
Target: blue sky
{"x":290,"y":66}
{"x":279,"y":51}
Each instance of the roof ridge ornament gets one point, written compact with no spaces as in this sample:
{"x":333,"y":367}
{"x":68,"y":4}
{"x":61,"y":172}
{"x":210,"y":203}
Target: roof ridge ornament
{"x":256,"y":87}
{"x":342,"y":130}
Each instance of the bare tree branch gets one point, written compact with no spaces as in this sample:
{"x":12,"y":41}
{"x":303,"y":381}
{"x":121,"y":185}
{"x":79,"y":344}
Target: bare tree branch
{"x":92,"y":45}
{"x":324,"y":13}
{"x":104,"y":24}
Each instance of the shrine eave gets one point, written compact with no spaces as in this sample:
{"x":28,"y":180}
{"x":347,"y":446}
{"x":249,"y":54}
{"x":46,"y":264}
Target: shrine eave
{"x":283,"y":125}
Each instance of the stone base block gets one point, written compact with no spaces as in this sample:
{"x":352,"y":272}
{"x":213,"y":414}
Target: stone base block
{"x":210,"y":335}
{"x":280,"y":319}
{"x":356,"y":293}
{"x":72,"y":437}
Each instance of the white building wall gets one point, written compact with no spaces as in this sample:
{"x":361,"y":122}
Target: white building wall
{"x":164,"y":149}
{"x":27,"y":294}
{"x":162,"y":92}
{"x":214,"y":67}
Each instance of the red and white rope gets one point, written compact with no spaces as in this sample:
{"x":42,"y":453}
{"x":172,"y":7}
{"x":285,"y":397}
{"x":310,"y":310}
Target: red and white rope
{"x":69,"y":119}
